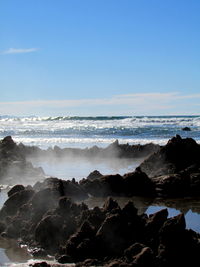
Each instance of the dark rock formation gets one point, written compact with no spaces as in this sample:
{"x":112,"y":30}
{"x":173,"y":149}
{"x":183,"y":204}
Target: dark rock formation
{"x":173,"y":170}
{"x":15,"y":189}
{"x":14,"y":168}
{"x":114,"y":150}
{"x":133,"y":183}
{"x":186,"y":129}
{"x":94,"y":175}
{"x":110,"y":236}
{"x":177,"y":155}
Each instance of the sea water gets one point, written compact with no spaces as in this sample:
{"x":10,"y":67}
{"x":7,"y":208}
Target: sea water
{"x":88,"y":131}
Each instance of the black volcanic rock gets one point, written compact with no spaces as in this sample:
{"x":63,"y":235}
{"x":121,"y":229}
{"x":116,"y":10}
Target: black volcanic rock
{"x":108,"y":236}
{"x":14,"y":168}
{"x":94,"y":175}
{"x":177,"y":155}
{"x":130,"y":184}
{"x":114,"y":150}
{"x":186,"y":129}
{"x":15,"y":189}
{"x":138,"y":183}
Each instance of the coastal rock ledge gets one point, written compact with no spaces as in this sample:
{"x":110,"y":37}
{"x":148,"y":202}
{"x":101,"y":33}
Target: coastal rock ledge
{"x":107,"y":236}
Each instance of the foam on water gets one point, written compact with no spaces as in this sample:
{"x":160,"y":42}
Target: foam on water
{"x":89,"y":131}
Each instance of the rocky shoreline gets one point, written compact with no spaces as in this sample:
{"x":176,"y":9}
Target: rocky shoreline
{"x":46,"y":215}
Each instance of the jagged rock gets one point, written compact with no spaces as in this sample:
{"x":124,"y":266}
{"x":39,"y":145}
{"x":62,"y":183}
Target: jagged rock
{"x":175,"y":156}
{"x":14,"y":168}
{"x":64,"y":188}
{"x":108,"y":236}
{"x":173,"y":226}
{"x":133,"y":250}
{"x":145,"y":258}
{"x":114,"y":150}
{"x":153,"y":225}
{"x":82,"y":244}
{"x":119,"y":230}
{"x":175,"y":185}
{"x":110,"y":204}
{"x":48,"y":232}
{"x":178,"y":246}
{"x":14,"y":202}
{"x":94,"y":175}
{"x":104,"y":186}
{"x":138,"y":183}
{"x":15,"y":189}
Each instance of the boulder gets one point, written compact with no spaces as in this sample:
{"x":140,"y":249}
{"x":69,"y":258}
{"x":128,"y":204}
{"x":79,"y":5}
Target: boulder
{"x":172,"y":185}
{"x":104,"y":186}
{"x":186,"y":129}
{"x":133,"y":250}
{"x":110,"y":204}
{"x":94,"y":175}
{"x":14,"y":202}
{"x":14,"y":168}
{"x":48,"y":232}
{"x":178,"y":246}
{"x":145,"y":258}
{"x":15,"y":189}
{"x":176,"y":155}
{"x":63,"y":188}
{"x":137,"y":183}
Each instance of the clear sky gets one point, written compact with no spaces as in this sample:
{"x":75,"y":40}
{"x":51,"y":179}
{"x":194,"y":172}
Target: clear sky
{"x":99,"y":57}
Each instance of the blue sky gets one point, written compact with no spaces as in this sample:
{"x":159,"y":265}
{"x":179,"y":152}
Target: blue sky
{"x":99,"y":57}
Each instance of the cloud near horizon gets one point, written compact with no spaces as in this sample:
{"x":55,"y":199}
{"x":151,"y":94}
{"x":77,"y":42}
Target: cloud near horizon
{"x":19,"y":51}
{"x":172,"y":103}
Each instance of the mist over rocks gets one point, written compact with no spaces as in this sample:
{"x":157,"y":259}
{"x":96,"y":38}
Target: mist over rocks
{"x":114,"y":150}
{"x":14,"y":168}
{"x":169,"y":171}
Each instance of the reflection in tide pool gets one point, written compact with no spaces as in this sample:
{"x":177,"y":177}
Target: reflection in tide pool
{"x":192,"y":218}
{"x":189,"y":206}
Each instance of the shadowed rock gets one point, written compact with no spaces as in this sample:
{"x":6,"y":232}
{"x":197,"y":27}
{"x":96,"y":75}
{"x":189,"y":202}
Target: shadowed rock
{"x":175,"y":156}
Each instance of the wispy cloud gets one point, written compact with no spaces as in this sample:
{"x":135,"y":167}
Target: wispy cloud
{"x":125,"y":104}
{"x":19,"y":51}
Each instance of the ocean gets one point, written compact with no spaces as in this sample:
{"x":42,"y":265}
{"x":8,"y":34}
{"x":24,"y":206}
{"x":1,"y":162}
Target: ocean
{"x":84,"y":132}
